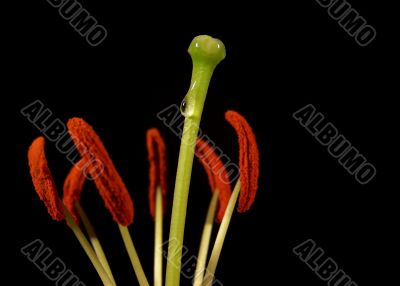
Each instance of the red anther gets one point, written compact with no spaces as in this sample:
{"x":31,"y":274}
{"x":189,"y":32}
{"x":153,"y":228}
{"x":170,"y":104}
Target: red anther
{"x":218,"y":177}
{"x":43,"y":180}
{"x":248,"y":159}
{"x":109,"y":183}
{"x":157,"y":167}
{"x":73,"y":186}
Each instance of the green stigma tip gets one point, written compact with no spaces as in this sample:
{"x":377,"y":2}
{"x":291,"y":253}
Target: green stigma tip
{"x":208,"y":49}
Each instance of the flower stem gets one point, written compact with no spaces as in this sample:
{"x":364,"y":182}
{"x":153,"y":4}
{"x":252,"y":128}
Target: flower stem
{"x":130,"y":248}
{"x":206,"y":53}
{"x":158,"y":239}
{"x":205,"y":240}
{"x":219,"y":241}
{"x":98,"y":249}
{"x":88,"y":249}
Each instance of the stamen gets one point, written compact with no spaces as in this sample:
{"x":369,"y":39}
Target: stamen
{"x":73,"y":186}
{"x":43,"y":180}
{"x":248,"y":159}
{"x":217,"y":175}
{"x":157,"y":167}
{"x":109,"y":183}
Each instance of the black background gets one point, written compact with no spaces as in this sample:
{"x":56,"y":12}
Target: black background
{"x":279,"y":58}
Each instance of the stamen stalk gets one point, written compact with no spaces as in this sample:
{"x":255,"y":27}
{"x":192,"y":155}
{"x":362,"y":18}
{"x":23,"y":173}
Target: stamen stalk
{"x":88,"y":249}
{"x":219,"y":241}
{"x":205,"y":240}
{"x":130,"y":248}
{"x":158,"y":239}
{"x":98,"y":249}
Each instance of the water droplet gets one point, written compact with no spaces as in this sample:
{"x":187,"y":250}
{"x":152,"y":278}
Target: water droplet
{"x":183,"y":106}
{"x":187,"y":106}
